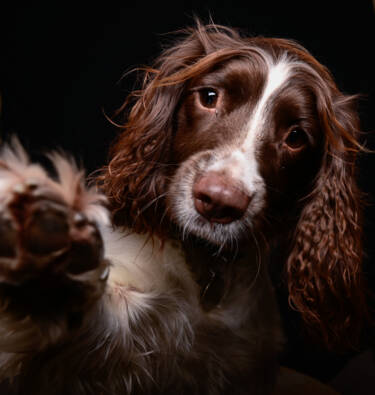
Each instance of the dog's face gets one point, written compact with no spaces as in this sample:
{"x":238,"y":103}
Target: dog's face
{"x":247,"y":143}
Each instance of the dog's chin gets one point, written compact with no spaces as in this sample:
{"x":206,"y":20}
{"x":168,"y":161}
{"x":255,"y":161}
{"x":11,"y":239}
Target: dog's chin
{"x":225,"y":236}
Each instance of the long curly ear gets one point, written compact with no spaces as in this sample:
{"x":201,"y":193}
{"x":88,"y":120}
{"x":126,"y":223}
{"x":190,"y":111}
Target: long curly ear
{"x":133,"y":180}
{"x":324,"y":268}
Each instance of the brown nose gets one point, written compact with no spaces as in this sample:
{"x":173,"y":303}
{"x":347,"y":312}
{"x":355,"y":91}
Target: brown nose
{"x":217,"y":199}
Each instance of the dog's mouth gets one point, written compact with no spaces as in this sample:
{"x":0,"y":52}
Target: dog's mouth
{"x":223,"y":233}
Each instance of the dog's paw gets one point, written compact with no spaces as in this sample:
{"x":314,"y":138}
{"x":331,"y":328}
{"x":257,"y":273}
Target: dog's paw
{"x":48,"y":227}
{"x":41,"y":234}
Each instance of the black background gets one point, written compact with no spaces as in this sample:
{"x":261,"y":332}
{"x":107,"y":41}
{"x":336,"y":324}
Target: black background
{"x":62,"y":67}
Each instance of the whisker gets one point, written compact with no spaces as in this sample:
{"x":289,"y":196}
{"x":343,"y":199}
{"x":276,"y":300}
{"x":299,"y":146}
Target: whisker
{"x":257,"y":258}
{"x":163,"y":215}
{"x":149,"y":204}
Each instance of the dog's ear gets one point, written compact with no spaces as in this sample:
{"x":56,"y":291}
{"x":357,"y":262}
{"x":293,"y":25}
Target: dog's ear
{"x":324,"y":267}
{"x":133,"y":180}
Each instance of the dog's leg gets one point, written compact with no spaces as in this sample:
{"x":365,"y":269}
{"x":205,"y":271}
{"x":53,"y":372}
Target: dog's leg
{"x":52,"y":266}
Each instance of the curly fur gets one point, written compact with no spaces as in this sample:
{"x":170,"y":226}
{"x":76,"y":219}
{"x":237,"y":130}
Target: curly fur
{"x":181,"y":301}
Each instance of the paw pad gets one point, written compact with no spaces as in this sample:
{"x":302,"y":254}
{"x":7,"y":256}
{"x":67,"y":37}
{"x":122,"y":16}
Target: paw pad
{"x":46,"y":229}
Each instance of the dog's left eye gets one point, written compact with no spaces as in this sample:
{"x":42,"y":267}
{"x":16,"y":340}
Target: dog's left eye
{"x":296,"y":139}
{"x":208,"y":97}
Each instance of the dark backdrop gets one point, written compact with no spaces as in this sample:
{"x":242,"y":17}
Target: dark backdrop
{"x":61,"y":69}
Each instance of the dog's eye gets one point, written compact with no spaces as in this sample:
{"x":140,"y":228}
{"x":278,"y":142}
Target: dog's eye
{"x":296,"y":139}
{"x":208,"y":97}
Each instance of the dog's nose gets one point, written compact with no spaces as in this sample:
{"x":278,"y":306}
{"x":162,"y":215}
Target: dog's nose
{"x":217,"y":198}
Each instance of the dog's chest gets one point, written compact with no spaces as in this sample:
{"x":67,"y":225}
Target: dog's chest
{"x":216,"y":275}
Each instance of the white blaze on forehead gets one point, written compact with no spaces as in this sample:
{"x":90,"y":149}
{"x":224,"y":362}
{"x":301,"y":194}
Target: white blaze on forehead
{"x":278,"y":74}
{"x":240,"y":163}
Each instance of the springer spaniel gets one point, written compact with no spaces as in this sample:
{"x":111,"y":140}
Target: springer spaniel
{"x":234,"y":148}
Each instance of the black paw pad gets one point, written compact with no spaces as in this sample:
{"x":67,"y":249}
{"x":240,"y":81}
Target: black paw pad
{"x":46,"y":229}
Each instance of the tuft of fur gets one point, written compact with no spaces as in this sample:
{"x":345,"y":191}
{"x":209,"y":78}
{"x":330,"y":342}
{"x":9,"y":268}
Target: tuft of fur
{"x":16,"y":170}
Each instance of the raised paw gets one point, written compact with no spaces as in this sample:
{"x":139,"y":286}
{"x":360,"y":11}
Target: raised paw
{"x":48,"y":228}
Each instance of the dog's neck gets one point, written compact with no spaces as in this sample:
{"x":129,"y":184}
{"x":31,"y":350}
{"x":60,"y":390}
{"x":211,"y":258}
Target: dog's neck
{"x":215,"y":268}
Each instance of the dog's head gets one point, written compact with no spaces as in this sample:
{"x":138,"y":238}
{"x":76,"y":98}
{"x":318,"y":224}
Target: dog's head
{"x":233,"y":137}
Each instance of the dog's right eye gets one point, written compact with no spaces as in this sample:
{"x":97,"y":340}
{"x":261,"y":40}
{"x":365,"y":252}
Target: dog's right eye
{"x":296,"y":139}
{"x":208,"y":97}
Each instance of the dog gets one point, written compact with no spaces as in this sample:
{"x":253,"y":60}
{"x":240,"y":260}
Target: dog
{"x":157,"y":281}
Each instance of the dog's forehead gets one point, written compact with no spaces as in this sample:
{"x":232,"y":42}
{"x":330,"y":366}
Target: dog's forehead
{"x":278,"y":75}
{"x":236,"y":67}
{"x":255,"y":79}
{"x":256,"y":63}
{"x":242,"y":77}
{"x":255,"y":89}
{"x":256,"y":83}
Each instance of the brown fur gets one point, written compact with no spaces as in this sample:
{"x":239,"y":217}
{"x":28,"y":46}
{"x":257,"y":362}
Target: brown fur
{"x":185,"y":304}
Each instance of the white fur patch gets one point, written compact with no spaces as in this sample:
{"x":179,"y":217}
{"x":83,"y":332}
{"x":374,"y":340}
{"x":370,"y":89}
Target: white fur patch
{"x":278,"y":74}
{"x":143,"y":263}
{"x":241,"y":163}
